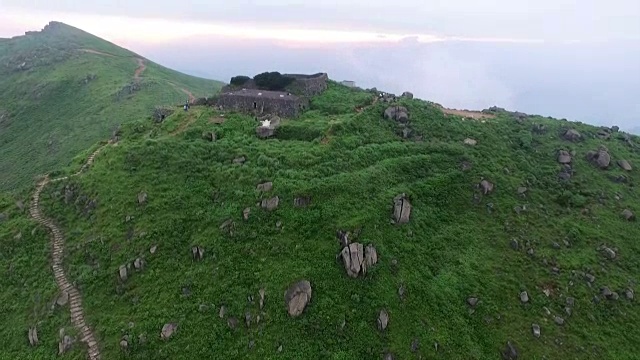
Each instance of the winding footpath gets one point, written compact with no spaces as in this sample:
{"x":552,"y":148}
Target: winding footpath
{"x":57,"y":244}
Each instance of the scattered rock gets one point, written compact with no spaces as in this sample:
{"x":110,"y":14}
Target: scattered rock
{"x":514,"y":244}
{"x":564,"y":157}
{"x":401,"y":292}
{"x":20,"y":205}
{"x":558,"y":320}
{"x":590,"y":278}
{"x":203,"y":308}
{"x":609,"y":253}
{"x":232,"y":322}
{"x":138,"y":264}
{"x":270,"y":204}
{"x":353,"y":259}
{"x":245,"y":213}
{"x":153,"y":249}
{"x":628,"y":215}
{"x":466,"y":166}
{"x":262,"y":293}
{"x":572,"y":135}
{"x":486,"y":187}
{"x":265,"y":187}
{"x":472,"y":301}
{"x":142,"y":198}
{"x":624,"y":164}
{"x":555,"y":245}
{"x":601,"y":158}
{"x":265,"y":132}
{"x":239,"y":160}
{"x":536,"y":330}
{"x":124,"y":344}
{"x":297,"y":297}
{"x":629,"y":294}
{"x":524,"y":297}
{"x":568,"y":311}
{"x":123,"y":272}
{"x":247,"y":318}
{"x":63,"y":299}
{"x":197,"y":253}
{"x":222,"y":312}
{"x":510,"y":352}
{"x":370,"y":257}
{"x":401,"y":209}
{"x":209,"y":136}
{"x":470,"y":142}
{"x":383,"y":320}
{"x":415,"y":345}
{"x":33,"y":336}
{"x":522,"y":190}
{"x":389,"y":356}
{"x":65,"y":343}
{"x":302,"y":202}
{"x":407,"y":95}
{"x":571,"y":301}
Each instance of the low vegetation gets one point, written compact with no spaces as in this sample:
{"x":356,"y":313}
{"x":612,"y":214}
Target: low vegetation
{"x":450,"y":280}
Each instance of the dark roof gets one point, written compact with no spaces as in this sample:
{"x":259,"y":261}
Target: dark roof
{"x":261,"y":93}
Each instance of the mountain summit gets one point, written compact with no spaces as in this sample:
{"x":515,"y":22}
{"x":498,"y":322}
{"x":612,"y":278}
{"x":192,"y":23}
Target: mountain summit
{"x":63,"y":89}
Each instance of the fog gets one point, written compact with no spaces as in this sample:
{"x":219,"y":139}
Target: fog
{"x":596,"y":83}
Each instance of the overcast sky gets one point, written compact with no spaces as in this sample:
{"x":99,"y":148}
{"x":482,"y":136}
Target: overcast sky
{"x":564,"y":58}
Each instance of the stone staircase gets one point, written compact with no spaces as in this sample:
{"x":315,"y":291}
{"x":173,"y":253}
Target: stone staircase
{"x":57,"y":241}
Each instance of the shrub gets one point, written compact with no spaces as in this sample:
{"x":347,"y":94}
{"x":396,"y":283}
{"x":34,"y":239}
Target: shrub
{"x":273,"y":81}
{"x":239,"y":80}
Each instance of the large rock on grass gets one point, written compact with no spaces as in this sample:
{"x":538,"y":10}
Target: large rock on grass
{"x":401,"y":209}
{"x":297,"y":297}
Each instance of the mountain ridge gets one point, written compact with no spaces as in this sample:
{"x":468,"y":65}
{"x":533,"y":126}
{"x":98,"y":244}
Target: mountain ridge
{"x":75,"y":88}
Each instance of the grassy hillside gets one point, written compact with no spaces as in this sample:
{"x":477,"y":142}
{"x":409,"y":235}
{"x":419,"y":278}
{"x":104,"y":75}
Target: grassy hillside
{"x":458,"y":243}
{"x":62,"y":90}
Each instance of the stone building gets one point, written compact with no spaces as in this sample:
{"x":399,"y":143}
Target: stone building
{"x":348,"y":83}
{"x":263,"y":102}
{"x":289,"y":104}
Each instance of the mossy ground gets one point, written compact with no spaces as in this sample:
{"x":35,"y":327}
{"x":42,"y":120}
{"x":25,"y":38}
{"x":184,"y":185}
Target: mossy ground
{"x":351,"y":165}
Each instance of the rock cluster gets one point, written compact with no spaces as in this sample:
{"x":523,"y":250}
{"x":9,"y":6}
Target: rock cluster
{"x":601,"y":158}
{"x":397,"y":113}
{"x":357,"y":259}
{"x":572,"y":135}
{"x":564,"y":157}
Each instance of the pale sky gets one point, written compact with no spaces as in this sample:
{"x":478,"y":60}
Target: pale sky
{"x":574,"y":59}
{"x":551,"y":20}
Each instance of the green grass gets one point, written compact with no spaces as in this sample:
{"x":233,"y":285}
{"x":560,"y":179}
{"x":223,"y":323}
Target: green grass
{"x":352,"y":165}
{"x":65,"y":99}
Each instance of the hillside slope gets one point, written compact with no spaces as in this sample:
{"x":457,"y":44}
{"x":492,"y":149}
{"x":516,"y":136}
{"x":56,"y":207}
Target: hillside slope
{"x":164,"y":190}
{"x":62,"y":90}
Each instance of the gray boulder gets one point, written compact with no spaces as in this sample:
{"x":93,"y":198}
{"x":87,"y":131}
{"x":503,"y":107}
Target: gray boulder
{"x":297,"y":297}
{"x":628,"y":215}
{"x":401,"y":209}
{"x":122,"y":271}
{"x":535,"y":328}
{"x":264,"y":132}
{"x":383,"y":320}
{"x":270,"y":204}
{"x":33,"y":336}
{"x":353,"y":259}
{"x":265,"y":187}
{"x":407,"y":95}
{"x":572,"y":135}
{"x":624,"y":164}
{"x":142,"y":197}
{"x":510,"y":352}
{"x":302,"y":201}
{"x":564,"y":157}
{"x":486,"y":187}
{"x":168,"y":330}
{"x":397,"y":113}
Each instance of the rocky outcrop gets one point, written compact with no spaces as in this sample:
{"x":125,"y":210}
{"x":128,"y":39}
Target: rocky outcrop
{"x":401,"y":209}
{"x":397,"y":113}
{"x":357,"y":259}
{"x":572,"y":135}
{"x":407,"y":95}
{"x":297,"y":297}
{"x":264,"y":132}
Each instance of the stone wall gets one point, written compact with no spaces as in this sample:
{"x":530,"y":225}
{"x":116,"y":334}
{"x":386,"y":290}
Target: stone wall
{"x":288,"y":107}
{"x":308,"y":85}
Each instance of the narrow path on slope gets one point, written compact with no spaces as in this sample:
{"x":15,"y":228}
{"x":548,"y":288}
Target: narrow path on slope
{"x":57,"y":245}
{"x":91,"y":51}
{"x":140,"y":69}
{"x":192,"y":98}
